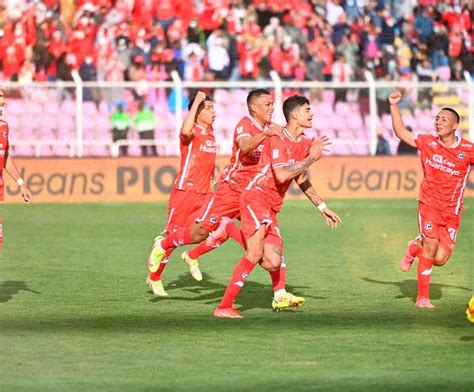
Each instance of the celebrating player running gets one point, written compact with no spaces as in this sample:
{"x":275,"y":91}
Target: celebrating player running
{"x":446,"y":160}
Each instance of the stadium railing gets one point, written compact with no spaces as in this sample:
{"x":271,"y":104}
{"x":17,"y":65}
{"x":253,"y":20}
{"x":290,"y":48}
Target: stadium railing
{"x":72,"y":119}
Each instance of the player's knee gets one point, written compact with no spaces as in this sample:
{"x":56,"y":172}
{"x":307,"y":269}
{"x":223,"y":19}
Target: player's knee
{"x":430,"y":246}
{"x":198,"y":234}
{"x":255,"y":255}
{"x":441,"y":259}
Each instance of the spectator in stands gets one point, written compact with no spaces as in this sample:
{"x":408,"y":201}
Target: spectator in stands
{"x":88,"y":72}
{"x":218,"y":54}
{"x":404,"y":148}
{"x":383,"y":148}
{"x":341,"y":73}
{"x":120,"y":126}
{"x":145,"y":124}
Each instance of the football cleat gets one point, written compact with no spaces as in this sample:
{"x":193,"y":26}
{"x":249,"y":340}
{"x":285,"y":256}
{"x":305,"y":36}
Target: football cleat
{"x":193,"y":265}
{"x":156,"y":255}
{"x":470,"y":310}
{"x":227,"y":313}
{"x":287,"y":300}
{"x":423,"y":302}
{"x":157,"y":287}
{"x":407,"y":260}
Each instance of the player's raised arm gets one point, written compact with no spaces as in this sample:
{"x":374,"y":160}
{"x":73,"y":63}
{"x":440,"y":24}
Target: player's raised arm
{"x":292,"y":170}
{"x":188,"y":124}
{"x":305,"y":185}
{"x":14,"y":173}
{"x":397,"y":122}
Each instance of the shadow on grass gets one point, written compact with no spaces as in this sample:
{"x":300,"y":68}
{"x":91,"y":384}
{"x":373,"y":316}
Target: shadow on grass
{"x":409,"y":288}
{"x":467,"y":339}
{"x":254,"y":295}
{"x":9,"y":288}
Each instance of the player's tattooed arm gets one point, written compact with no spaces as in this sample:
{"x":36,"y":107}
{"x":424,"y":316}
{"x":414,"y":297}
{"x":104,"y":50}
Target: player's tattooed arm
{"x":331,"y":218}
{"x":292,"y":170}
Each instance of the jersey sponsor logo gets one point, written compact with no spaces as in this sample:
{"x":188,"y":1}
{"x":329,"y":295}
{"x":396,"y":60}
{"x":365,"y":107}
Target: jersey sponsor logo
{"x":438,"y":162}
{"x":461,"y":155}
{"x":466,"y":145}
{"x":208,"y":146}
{"x":275,"y":153}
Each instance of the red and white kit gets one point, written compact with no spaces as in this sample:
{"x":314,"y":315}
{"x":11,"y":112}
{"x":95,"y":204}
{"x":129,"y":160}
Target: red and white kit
{"x":226,"y":200}
{"x":445,"y":175}
{"x":3,"y":151}
{"x":263,"y":196}
{"x":192,"y":189}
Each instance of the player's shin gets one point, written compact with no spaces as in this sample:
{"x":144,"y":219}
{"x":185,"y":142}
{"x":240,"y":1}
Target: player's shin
{"x":178,"y":238}
{"x":239,"y":277}
{"x":425,"y":266}
{"x":279,"y":278}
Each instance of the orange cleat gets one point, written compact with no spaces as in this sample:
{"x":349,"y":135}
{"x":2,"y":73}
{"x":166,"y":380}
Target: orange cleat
{"x":227,"y":313}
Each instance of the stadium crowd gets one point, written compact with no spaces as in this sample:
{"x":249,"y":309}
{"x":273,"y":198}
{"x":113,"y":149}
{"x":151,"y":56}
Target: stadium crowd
{"x":136,"y":40}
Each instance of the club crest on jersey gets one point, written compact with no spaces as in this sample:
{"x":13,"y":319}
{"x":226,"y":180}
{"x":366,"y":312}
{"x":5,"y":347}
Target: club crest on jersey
{"x":461,"y":155}
{"x":429,"y":226}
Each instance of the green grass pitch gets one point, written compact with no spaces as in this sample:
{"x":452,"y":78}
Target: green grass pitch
{"x":75,"y":314}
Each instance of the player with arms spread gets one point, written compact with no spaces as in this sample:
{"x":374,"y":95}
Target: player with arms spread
{"x":283,"y":159}
{"x":8,"y":164}
{"x":446,"y":161}
{"x":192,"y":188}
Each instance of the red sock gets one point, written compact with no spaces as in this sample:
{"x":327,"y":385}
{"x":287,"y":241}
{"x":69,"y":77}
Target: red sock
{"x":180,"y":237}
{"x":424,"y":268}
{"x":234,"y":232}
{"x":239,"y":277}
{"x":157,"y":275}
{"x":279,"y":277}
{"x":201,"y":249}
{"x":415,"y":250}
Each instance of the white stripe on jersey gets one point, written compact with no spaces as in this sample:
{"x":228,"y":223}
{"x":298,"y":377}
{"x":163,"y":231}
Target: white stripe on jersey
{"x":186,"y":166}
{"x":461,"y":192}
{"x":258,"y":176}
{"x":257,"y":222}
{"x":209,"y":205}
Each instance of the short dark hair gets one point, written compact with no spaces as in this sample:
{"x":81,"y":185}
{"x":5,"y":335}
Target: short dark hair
{"x":456,"y":114}
{"x":201,"y":105}
{"x":255,"y":94}
{"x":293,"y":102}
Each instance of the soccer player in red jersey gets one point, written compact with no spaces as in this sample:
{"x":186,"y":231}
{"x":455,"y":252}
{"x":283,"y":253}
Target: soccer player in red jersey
{"x":192,"y":188}
{"x":7,"y":163}
{"x":446,"y":160}
{"x":283,"y":159}
{"x":215,"y":225}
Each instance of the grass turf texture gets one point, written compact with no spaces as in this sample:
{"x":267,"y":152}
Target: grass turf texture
{"x":76,"y":314}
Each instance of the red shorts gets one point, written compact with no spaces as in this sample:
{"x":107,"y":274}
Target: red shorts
{"x":435,"y":223}
{"x":225,"y":202}
{"x":184,"y":207}
{"x":255,"y":212}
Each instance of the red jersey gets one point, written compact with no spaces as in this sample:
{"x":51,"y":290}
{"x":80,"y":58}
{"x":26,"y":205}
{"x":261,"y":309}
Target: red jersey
{"x":445,"y":172}
{"x":198,"y":156}
{"x":3,"y":152}
{"x":248,"y":126}
{"x":278,"y":151}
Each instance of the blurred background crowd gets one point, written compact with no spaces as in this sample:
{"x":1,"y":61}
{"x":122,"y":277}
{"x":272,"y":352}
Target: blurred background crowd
{"x":137,"y":40}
